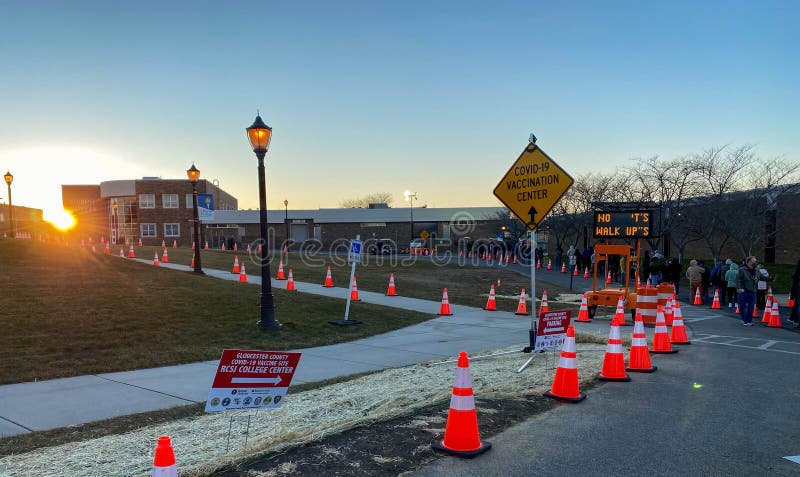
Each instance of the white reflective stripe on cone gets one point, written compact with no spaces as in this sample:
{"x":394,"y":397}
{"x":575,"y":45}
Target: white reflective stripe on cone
{"x":462,"y":403}
{"x":661,"y":329}
{"x":614,"y":348}
{"x":569,"y":345}
{"x":463,"y":378}
{"x":639,"y":342}
{"x":614,"y":333}
{"x":568,"y":363}
{"x":171,"y":471}
{"x":677,"y":322}
{"x":638,"y":328}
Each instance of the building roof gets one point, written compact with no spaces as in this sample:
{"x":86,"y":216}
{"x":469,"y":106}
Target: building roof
{"x":359,"y":215}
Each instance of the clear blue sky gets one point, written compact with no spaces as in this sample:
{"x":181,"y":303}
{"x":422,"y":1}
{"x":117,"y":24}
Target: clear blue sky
{"x":435,"y":97}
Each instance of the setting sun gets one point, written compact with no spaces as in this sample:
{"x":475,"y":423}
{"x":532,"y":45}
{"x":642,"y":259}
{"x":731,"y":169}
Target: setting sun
{"x":60,"y":219}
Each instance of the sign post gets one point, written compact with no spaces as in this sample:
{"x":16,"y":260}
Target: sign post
{"x":354,"y":257}
{"x":530,"y":189}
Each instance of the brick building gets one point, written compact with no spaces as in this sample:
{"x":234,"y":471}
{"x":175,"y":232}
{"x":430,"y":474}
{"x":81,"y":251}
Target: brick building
{"x":150,"y":209}
{"x":26,"y":220}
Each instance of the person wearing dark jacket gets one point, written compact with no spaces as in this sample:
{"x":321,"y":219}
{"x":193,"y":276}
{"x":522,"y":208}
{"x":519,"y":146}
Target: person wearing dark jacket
{"x":746,"y":286}
{"x":675,"y":271}
{"x":794,"y":293}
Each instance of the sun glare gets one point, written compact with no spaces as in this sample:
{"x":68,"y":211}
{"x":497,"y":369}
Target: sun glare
{"x":60,"y":219}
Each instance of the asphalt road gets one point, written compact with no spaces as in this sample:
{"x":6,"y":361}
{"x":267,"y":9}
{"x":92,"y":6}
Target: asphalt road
{"x":728,"y":404}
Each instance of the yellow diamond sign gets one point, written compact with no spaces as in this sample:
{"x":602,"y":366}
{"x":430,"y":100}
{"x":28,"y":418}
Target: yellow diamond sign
{"x":532,"y":186}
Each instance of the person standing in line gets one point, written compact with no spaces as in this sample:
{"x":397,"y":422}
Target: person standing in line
{"x":695,"y":275}
{"x":764,"y":278}
{"x":644,"y":267}
{"x":676,"y":269}
{"x":746,"y":287}
{"x":794,"y":294}
{"x":705,"y":281}
{"x":730,"y":279}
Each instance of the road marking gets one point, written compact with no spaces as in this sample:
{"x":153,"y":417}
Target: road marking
{"x":793,"y":458}
{"x":692,"y":320}
{"x":767,"y":345}
{"x":702,"y":340}
{"x":736,"y":340}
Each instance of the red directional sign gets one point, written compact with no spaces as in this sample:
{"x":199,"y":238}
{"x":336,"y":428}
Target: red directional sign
{"x":251,"y":379}
{"x":552,"y":329}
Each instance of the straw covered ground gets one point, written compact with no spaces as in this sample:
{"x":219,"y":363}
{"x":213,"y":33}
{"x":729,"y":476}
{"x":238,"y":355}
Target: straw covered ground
{"x":203,"y":446}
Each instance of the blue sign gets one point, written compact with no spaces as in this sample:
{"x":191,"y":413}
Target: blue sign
{"x":205,"y":206}
{"x":355,"y":251}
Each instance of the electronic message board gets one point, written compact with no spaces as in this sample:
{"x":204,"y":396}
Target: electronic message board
{"x":628,"y":224}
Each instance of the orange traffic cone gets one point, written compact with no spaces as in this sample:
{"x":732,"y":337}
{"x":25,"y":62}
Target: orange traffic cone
{"x":583,"y":313}
{"x":121,"y":253}
{"x":155,"y":259}
{"x":107,"y":250}
{"x":697,"y":299}
{"x":290,"y":283}
{"x":281,"y":275}
{"x":235,"y":247}
{"x":522,"y":307}
{"x":249,"y":249}
{"x":565,"y":384}
{"x":549,"y":264}
{"x":206,"y":245}
{"x":192,"y":265}
{"x":614,"y":360}
{"x":678,"y":335}
{"x":94,"y":250}
{"x":563,"y":268}
{"x":391,"y":291}
{"x":669,"y":313}
{"x":163,"y":244}
{"x":508,"y":257}
{"x":790,"y":303}
{"x":222,"y":247}
{"x":608,"y":277}
{"x":755,"y":311}
{"x":243,"y":275}
{"x":130,"y":252}
{"x":619,"y":315}
{"x":328,"y":279}
{"x":585,"y":272}
{"x":461,"y":436}
{"x":165,"y":257}
{"x":285,"y":249}
{"x":737,"y":309}
{"x":775,"y":316}
{"x":444,"y":309}
{"x":140,"y":243}
{"x":639,"y":356}
{"x":354,"y":290}
{"x":164,"y":460}
{"x":174,"y":244}
{"x":491,"y":303}
{"x":193,"y":244}
{"x":715,"y":304}
{"x":236,"y":268}
{"x":767,"y":311}
{"x":538,"y":264}
{"x":514,"y":260}
{"x":661,"y":344}
{"x":575,"y":271}
{"x":543,"y":305}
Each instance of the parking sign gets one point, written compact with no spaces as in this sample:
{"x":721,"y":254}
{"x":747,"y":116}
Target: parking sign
{"x":355,"y":252}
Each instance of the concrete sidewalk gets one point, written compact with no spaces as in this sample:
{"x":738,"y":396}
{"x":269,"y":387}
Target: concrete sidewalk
{"x":51,"y":404}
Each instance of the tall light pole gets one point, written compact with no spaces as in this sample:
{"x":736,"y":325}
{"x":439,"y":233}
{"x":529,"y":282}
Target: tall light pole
{"x":10,"y":178}
{"x":115,"y":223}
{"x":260,"y":135}
{"x":286,"y":219}
{"x":194,"y":175}
{"x":410,"y":199}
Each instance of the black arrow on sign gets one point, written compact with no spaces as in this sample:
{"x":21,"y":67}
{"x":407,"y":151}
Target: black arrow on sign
{"x":532,"y":213}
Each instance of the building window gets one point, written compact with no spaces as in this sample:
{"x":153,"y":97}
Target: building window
{"x":147,"y":230}
{"x":172,"y":230}
{"x":147,"y":201}
{"x":169,"y":201}
{"x":189,"y":201}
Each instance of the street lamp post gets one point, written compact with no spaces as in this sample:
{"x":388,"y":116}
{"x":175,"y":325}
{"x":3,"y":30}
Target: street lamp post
{"x":410,"y":199}
{"x":9,"y":178}
{"x":194,"y":175}
{"x":286,"y":219}
{"x":115,"y":224}
{"x":260,"y":135}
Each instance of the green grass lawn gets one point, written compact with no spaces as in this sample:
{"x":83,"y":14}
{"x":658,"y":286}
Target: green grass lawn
{"x":467,"y":285}
{"x":67,"y":312}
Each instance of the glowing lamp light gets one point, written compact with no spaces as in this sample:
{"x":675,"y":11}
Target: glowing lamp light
{"x":8,"y":177}
{"x":193,"y":173}
{"x":259,"y":134}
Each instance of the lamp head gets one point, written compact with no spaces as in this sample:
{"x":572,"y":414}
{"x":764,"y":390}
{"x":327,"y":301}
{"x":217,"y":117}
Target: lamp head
{"x":285,"y":202}
{"x":8,"y":177}
{"x":193,"y":173}
{"x":260,"y":135}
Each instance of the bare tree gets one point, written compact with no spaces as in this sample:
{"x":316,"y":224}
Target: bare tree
{"x":363,"y":202}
